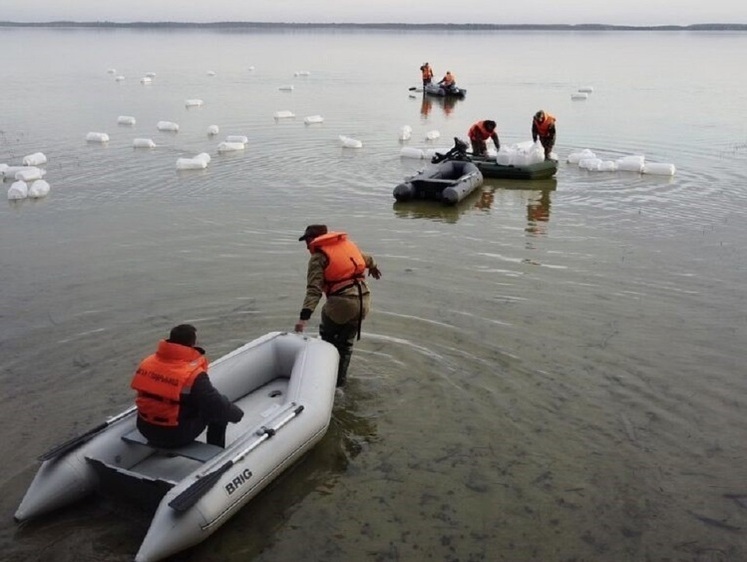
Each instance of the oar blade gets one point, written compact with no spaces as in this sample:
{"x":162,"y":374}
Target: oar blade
{"x":70,"y":444}
{"x":192,"y":495}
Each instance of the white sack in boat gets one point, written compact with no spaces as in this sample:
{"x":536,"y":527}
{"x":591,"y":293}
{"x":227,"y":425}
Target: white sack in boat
{"x":191,"y":164}
{"x":167,"y":126}
{"x":243,"y":139}
{"x":432,"y":135}
{"x":38,"y":189}
{"x":193,"y":103}
{"x":213,"y":130}
{"x":230,"y":146}
{"x":29,"y":173}
{"x":125,"y":120}
{"x":658,"y":169}
{"x":18,"y":190}
{"x":311,"y":119}
{"x":35,"y":159}
{"x":97,"y":137}
{"x":285,"y":114}
{"x":405,"y":133}
{"x":348,"y":142}
{"x":412,"y":152}
{"x":143,"y":143}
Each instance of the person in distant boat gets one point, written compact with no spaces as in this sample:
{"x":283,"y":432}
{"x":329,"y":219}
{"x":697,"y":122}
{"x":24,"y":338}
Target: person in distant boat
{"x":427,"y":73}
{"x":175,"y":399}
{"x":479,"y":133}
{"x":543,"y":128}
{"x":448,"y":82}
{"x":337,"y":269}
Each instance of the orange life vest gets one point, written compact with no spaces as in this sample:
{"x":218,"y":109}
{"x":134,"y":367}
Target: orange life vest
{"x":543,"y":129}
{"x":479,"y":132}
{"x":427,"y":73}
{"x":162,"y":379}
{"x":345,"y":263}
{"x":448,"y":79}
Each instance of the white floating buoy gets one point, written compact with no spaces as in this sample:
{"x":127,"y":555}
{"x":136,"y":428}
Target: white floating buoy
{"x":191,"y":164}
{"x":412,"y":152}
{"x":237,"y":138}
{"x":38,"y":189}
{"x":146,"y":80}
{"x":286,"y":88}
{"x":579,"y":96}
{"x":143,"y":143}
{"x":432,"y":135}
{"x":213,"y":130}
{"x":125,"y":120}
{"x":18,"y":190}
{"x":659,"y":169}
{"x":97,"y":137}
{"x":632,"y":163}
{"x":111,"y":71}
{"x":204,"y":156}
{"x":348,"y":142}
{"x":284,"y":114}
{"x":167,"y":126}
{"x":29,"y":173}
{"x":586,"y":89}
{"x":311,"y":119}
{"x":150,"y":74}
{"x":302,"y":73}
{"x":250,"y":69}
{"x":211,"y":73}
{"x":193,"y":103}
{"x":119,"y":78}
{"x":230,"y":146}
{"x":35,"y":159}
{"x":405,"y":133}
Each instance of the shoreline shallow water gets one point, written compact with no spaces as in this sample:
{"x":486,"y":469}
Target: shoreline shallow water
{"x":550,"y":371}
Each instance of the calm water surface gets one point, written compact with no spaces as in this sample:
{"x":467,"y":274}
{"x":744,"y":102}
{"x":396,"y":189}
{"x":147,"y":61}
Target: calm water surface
{"x":553,"y":370}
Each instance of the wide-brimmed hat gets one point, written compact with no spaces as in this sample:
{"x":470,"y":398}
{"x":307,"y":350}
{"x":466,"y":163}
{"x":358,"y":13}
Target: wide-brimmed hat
{"x":313,"y":231}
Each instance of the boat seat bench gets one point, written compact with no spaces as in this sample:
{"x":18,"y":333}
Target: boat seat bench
{"x":196,"y":450}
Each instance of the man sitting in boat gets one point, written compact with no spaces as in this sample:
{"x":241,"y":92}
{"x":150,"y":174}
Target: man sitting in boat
{"x":479,"y":133}
{"x":543,"y":127}
{"x":448,"y":82}
{"x":427,"y":73}
{"x":175,"y":399}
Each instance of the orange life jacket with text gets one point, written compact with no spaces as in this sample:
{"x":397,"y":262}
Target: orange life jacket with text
{"x":543,"y":128}
{"x":479,"y":132}
{"x":163,"y":378}
{"x":345,"y":263}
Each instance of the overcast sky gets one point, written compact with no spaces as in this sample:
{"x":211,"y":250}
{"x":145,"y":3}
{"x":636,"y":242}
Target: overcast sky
{"x":626,"y":12}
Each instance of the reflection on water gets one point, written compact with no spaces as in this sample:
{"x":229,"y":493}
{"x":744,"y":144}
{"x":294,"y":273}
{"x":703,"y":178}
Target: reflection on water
{"x":538,"y":214}
{"x":447,"y":105}
{"x":436,"y":210}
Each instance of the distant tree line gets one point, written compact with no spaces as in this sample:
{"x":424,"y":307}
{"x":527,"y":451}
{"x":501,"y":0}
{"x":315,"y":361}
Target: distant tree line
{"x":384,"y":26}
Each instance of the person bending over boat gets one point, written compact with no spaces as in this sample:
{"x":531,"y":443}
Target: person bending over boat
{"x":337,"y":269}
{"x":448,"y":82}
{"x":175,"y":399}
{"x":427,"y":73}
{"x":479,"y":133}
{"x":543,"y":127}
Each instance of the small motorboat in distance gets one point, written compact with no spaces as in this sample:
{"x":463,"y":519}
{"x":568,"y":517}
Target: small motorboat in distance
{"x":284,"y":383}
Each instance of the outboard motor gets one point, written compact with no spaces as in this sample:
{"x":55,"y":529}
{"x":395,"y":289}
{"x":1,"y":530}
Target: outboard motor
{"x":458,"y":152}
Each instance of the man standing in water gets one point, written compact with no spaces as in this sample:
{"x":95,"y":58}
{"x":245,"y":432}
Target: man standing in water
{"x":543,"y":127}
{"x":336,"y":269}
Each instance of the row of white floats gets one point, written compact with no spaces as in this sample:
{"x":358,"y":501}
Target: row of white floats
{"x":28,"y":178}
{"x":588,"y":160}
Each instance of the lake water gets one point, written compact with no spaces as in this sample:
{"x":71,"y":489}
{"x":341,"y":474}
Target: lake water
{"x":552,"y":371}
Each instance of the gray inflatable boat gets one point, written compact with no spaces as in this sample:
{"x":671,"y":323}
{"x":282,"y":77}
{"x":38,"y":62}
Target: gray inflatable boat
{"x":449,"y":181}
{"x":285,"y":383}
